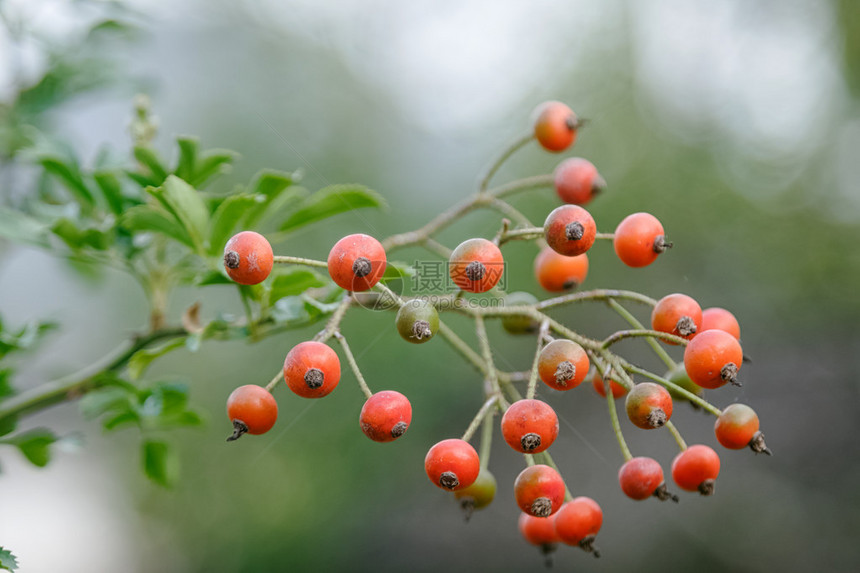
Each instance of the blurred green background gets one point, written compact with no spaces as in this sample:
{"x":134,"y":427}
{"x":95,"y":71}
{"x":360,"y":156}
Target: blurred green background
{"x":736,"y":123}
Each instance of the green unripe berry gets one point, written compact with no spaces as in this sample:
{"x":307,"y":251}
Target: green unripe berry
{"x":478,"y":495}
{"x":519,"y":324}
{"x":417,"y":321}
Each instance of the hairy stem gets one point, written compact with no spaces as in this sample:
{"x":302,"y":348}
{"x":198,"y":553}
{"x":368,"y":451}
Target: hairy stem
{"x":353,"y":364}
{"x":632,"y":320}
{"x":483,"y":413}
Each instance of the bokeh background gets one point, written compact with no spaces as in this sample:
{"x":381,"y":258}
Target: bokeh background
{"x":736,"y":123}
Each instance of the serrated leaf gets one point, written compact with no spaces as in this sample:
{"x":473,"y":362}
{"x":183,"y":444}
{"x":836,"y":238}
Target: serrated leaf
{"x":294,"y":281}
{"x":97,"y":402}
{"x":111,"y":189}
{"x":35,"y":445}
{"x":160,"y":463}
{"x":149,"y":218}
{"x":330,"y":201}
{"x":187,"y":206}
{"x":20,"y":228}
{"x":7,"y":560}
{"x":187,"y":157}
{"x":68,"y":173}
{"x":140,"y":360}
{"x":148,"y":157}
{"x":226,"y":216}
{"x":210,"y":164}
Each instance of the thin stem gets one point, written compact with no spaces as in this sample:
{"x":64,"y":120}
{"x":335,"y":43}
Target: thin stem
{"x":458,"y":344}
{"x":274,"y":382}
{"x":491,"y":373}
{"x":334,"y":322}
{"x":658,"y":350}
{"x":525,"y":184}
{"x":353,"y":364}
{"x":90,"y":378}
{"x":509,"y":211}
{"x":605,"y":236}
{"x":526,"y":234}
{"x":282,"y":259}
{"x":530,"y":459}
{"x":486,"y":441}
{"x":597,"y":294}
{"x":484,"y":180}
{"x":551,"y":463}
{"x":674,"y":387}
{"x":676,"y":434}
{"x":533,"y":373}
{"x":622,"y":334}
{"x":390,"y":294}
{"x":613,"y":413}
{"x":479,"y":417}
{"x":435,"y":246}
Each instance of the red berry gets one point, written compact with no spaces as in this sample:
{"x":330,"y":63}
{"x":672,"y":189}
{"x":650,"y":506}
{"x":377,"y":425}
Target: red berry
{"x":641,"y":478}
{"x":696,"y":468}
{"x":452,"y":464}
{"x":530,"y":426}
{"x":570,"y":230}
{"x":478,"y":495}
{"x":617,"y":389}
{"x":677,"y":314}
{"x":476,"y":265}
{"x":713,"y":358}
{"x":737,"y":427}
{"x":577,"y":181}
{"x":578,"y":522}
{"x":538,"y":530}
{"x":312,"y":369}
{"x":539,"y":490}
{"x":638,"y":239}
{"x":555,"y":126}
{"x":648,"y":405}
{"x":356,"y":262}
{"x":252,"y":409}
{"x":558,"y":273}
{"x":716,"y":318}
{"x":385,"y":416}
{"x":563,"y":364}
{"x":248,"y":258}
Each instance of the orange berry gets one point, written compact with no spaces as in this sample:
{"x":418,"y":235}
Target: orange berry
{"x":248,"y":258}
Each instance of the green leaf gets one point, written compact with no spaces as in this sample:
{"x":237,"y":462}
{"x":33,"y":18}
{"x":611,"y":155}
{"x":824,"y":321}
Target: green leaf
{"x":111,"y":189}
{"x":149,"y":218}
{"x":332,"y":200}
{"x":187,"y":157}
{"x":160,"y":462}
{"x":225,"y":218}
{"x":290,"y":309}
{"x":165,"y":399}
{"x":140,"y":360}
{"x":35,"y":445}
{"x":214,"y":278}
{"x":142,"y":180}
{"x":210,"y":164}
{"x":129,"y":418}
{"x":7,"y":425}
{"x":97,"y":402}
{"x":77,"y":238}
{"x":7,"y":560}
{"x":269,"y":184}
{"x":5,"y":387}
{"x":397,"y":271}
{"x":20,"y":228}
{"x":67,"y":172}
{"x":187,"y":206}
{"x":148,"y":157}
{"x":294,"y":281}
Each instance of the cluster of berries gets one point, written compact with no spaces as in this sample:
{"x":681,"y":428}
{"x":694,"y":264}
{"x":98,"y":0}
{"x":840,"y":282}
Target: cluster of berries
{"x":550,"y":514}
